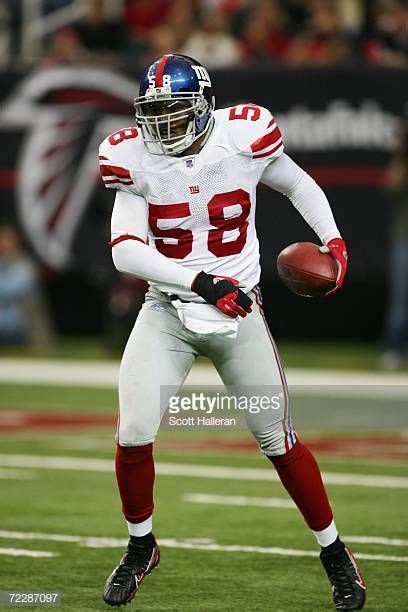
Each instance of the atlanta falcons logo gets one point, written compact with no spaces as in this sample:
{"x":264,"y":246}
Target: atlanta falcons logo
{"x":66,"y":112}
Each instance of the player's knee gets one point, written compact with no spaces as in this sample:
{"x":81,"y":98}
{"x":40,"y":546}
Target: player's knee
{"x":274,"y":443}
{"x":134,"y":435}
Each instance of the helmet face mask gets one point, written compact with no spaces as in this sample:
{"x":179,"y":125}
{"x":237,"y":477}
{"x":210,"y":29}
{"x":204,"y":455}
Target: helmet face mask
{"x":167,"y":122}
{"x":173,"y":116}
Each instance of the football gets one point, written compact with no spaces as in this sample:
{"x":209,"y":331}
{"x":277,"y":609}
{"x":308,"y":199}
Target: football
{"x":305,"y":270}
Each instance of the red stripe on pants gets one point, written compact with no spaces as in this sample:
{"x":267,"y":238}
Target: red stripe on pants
{"x":135,"y":476}
{"x":300,"y":475}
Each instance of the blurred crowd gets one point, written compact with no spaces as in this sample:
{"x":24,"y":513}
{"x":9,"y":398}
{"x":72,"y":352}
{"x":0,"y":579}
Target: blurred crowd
{"x":28,"y":315}
{"x":24,"y":316}
{"x":216,"y":32}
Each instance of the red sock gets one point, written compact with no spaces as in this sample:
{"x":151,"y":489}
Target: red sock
{"x":300,"y":475}
{"x":135,"y":476}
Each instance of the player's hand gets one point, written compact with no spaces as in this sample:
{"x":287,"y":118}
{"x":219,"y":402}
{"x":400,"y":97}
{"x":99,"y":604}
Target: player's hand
{"x":337,"y":248}
{"x":222,"y":292}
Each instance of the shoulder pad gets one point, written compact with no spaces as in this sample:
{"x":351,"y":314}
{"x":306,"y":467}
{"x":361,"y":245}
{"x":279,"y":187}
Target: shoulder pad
{"x":254,"y":132}
{"x":117,"y":154}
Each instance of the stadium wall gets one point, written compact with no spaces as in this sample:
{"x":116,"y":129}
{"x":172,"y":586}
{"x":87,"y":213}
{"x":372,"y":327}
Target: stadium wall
{"x":339,"y":124}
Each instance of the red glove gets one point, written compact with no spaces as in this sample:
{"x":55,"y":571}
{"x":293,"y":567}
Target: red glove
{"x":337,"y":248}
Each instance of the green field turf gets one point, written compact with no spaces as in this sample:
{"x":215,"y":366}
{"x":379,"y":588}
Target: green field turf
{"x":329,"y":354}
{"x":191,"y":577}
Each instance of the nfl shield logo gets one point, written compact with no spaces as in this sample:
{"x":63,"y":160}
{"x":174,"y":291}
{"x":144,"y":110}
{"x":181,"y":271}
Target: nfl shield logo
{"x":190,"y":163}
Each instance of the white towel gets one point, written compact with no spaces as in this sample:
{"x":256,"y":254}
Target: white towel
{"x":206,"y":319}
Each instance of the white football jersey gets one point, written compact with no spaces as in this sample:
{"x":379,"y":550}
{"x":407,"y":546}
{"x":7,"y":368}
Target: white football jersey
{"x":201,"y":207}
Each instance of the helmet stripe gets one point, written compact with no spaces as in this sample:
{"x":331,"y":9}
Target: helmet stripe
{"x":160,"y":70}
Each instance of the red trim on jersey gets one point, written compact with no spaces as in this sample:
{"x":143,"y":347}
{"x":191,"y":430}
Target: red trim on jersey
{"x":272,"y":121}
{"x":275,"y":148}
{"x":267,"y":140}
{"x":107,"y":170}
{"x":160,"y":71}
{"x":116,"y":181}
{"x":124,"y":237}
{"x":102,"y":157}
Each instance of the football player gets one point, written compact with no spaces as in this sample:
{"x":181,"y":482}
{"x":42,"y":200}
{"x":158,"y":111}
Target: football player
{"x":184,"y":220}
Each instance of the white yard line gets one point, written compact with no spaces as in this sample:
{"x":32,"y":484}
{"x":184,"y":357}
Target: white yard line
{"x":375,"y":540}
{"x":273,"y":550}
{"x":104,"y":374}
{"x":231,"y":473}
{"x":57,"y":463}
{"x":194,"y":544}
{"x":362,"y":461}
{"x":22,"y":552}
{"x":59,"y":372}
{"x":238,"y":500}
{"x":99,"y":542}
{"x":196,"y":471}
{"x":35,"y":535}
{"x":10,"y":474}
{"x":275,"y":502}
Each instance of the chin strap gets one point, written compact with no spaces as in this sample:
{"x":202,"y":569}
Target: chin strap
{"x":169,"y":149}
{"x":206,"y":133}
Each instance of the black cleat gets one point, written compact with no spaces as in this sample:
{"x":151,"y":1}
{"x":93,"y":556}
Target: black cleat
{"x":138,"y":561}
{"x":349,"y":589}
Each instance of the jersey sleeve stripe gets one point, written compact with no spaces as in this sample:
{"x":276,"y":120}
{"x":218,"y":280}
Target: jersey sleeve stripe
{"x":268,"y":148}
{"x":103,"y":158}
{"x":108,"y":170}
{"x":116,"y":181}
{"x":270,"y":151}
{"x":267,"y":140}
{"x":116,"y":178}
{"x":123,"y":237}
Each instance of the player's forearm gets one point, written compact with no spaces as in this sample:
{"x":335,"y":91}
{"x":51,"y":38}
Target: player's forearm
{"x":285,"y":176}
{"x":311,"y":202}
{"x":137,"y":258}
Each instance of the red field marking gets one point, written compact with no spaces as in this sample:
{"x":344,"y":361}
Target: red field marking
{"x":378,"y":447}
{"x":385,"y":447}
{"x":16,"y":420}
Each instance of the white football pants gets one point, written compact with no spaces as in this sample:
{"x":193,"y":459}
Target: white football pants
{"x":159,"y":355}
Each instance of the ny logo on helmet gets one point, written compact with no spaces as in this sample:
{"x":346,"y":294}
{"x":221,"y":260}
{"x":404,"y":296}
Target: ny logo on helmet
{"x":202,"y":75}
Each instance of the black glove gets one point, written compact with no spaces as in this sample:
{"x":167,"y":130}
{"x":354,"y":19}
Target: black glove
{"x":222,"y":292}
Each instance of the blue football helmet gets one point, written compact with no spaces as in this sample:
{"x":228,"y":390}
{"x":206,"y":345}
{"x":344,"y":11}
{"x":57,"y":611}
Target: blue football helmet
{"x":175,"y":104}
